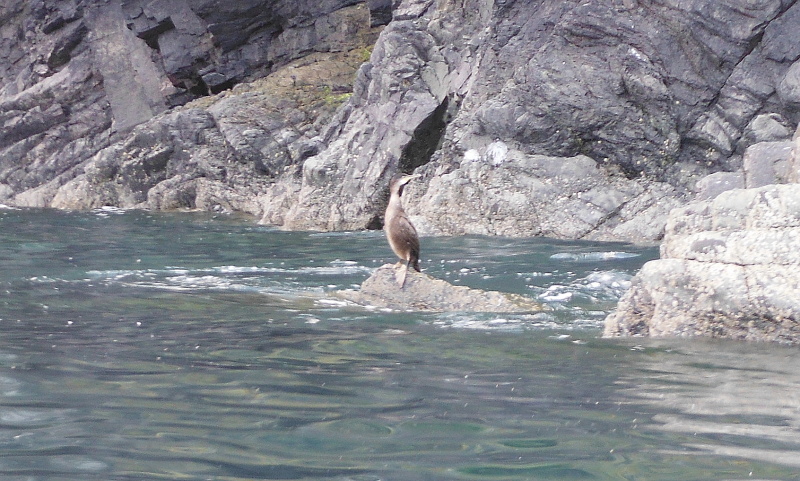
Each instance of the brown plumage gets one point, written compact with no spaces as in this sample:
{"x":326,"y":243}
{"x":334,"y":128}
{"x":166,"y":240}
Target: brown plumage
{"x":400,"y":231}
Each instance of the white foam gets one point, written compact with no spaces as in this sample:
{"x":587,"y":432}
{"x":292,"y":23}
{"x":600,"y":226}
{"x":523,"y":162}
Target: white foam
{"x":613,"y":283}
{"x":556,"y":294}
{"x":108,"y":210}
{"x":467,"y":322}
{"x":592,"y":256}
{"x":336,"y":270}
{"x":335,"y":303}
{"x":344,"y":268}
{"x":539,"y":321}
{"x":600,"y":286}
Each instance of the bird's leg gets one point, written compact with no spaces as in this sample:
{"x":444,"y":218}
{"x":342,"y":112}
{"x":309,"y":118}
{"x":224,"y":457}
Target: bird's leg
{"x":401,"y":276}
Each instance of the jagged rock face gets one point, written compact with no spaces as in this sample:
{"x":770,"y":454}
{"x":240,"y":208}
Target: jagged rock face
{"x":222,"y":154}
{"x":657,"y":94}
{"x":642,"y":97}
{"x":52,"y":108}
{"x":79,"y":75}
{"x":208,"y":45}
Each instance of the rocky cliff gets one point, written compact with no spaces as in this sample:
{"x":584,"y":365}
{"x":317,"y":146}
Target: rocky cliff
{"x":139,"y":103}
{"x":567,"y":119}
{"x":570,"y":119}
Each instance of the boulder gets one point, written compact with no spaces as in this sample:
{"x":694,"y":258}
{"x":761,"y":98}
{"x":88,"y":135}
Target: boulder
{"x":714,"y":184}
{"x":767,"y":163}
{"x":770,"y":127}
{"x":729,"y":268}
{"x":422,"y":292}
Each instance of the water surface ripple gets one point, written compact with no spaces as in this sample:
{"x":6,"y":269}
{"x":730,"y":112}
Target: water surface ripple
{"x":143,"y":346}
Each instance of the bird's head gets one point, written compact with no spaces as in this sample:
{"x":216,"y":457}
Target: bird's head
{"x":399,"y":181}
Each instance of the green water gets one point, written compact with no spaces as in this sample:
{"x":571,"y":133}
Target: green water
{"x":142,"y":346}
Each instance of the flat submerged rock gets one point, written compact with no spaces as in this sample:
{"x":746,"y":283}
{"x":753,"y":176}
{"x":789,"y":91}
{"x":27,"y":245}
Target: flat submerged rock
{"x":422,"y":292}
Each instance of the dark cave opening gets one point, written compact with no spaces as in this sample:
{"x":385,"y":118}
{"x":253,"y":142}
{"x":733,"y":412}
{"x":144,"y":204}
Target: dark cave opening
{"x":426,"y":139}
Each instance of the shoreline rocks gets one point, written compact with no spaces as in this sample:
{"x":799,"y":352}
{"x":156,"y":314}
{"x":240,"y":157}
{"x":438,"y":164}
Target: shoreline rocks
{"x":569,"y":119}
{"x":730,"y":261}
{"x":729,"y":268}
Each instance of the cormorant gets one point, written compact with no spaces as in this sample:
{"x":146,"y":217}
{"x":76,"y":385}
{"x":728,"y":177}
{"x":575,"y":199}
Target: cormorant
{"x":400,"y":231}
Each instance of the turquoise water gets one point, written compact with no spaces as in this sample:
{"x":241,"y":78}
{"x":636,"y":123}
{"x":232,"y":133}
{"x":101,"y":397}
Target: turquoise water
{"x":144,"y":346}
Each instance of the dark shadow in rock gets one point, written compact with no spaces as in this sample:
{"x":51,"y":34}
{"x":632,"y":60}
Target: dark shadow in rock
{"x":427,"y":138}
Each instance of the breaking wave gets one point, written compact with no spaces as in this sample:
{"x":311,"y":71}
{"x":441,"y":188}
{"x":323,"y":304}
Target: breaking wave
{"x":592,"y":256}
{"x":267,"y":280}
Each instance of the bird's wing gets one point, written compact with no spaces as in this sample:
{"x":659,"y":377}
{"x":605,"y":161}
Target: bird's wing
{"x":409,"y":235}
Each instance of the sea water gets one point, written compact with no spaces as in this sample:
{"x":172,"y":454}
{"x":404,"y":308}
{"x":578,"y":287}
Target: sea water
{"x":185,"y":346}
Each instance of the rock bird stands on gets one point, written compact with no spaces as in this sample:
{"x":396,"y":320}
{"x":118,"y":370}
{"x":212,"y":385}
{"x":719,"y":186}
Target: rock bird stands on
{"x":400,"y":231}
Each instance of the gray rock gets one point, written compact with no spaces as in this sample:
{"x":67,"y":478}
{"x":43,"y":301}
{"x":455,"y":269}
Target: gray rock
{"x":714,"y":184}
{"x":217,"y":153}
{"x":767,"y":163}
{"x":132,"y":83}
{"x":728,"y":268}
{"x":77,"y":80}
{"x":422,"y":292}
{"x":619,"y":84}
{"x":794,"y":162}
{"x":767,"y":128}
{"x":505,"y":192}
{"x":789,"y":87}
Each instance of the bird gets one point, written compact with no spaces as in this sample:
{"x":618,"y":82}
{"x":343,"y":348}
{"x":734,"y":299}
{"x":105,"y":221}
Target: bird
{"x":400,"y":232}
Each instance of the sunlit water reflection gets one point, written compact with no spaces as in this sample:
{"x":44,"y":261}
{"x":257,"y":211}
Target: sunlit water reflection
{"x":185,"y":346}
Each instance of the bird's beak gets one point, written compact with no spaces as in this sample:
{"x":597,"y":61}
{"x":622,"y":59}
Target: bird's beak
{"x":409,"y":178}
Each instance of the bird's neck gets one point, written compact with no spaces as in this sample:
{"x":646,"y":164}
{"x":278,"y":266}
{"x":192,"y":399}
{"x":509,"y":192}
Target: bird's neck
{"x":395,"y":204}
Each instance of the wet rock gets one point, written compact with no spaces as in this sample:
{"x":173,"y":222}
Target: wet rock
{"x":422,"y":292}
{"x":728,"y":268}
